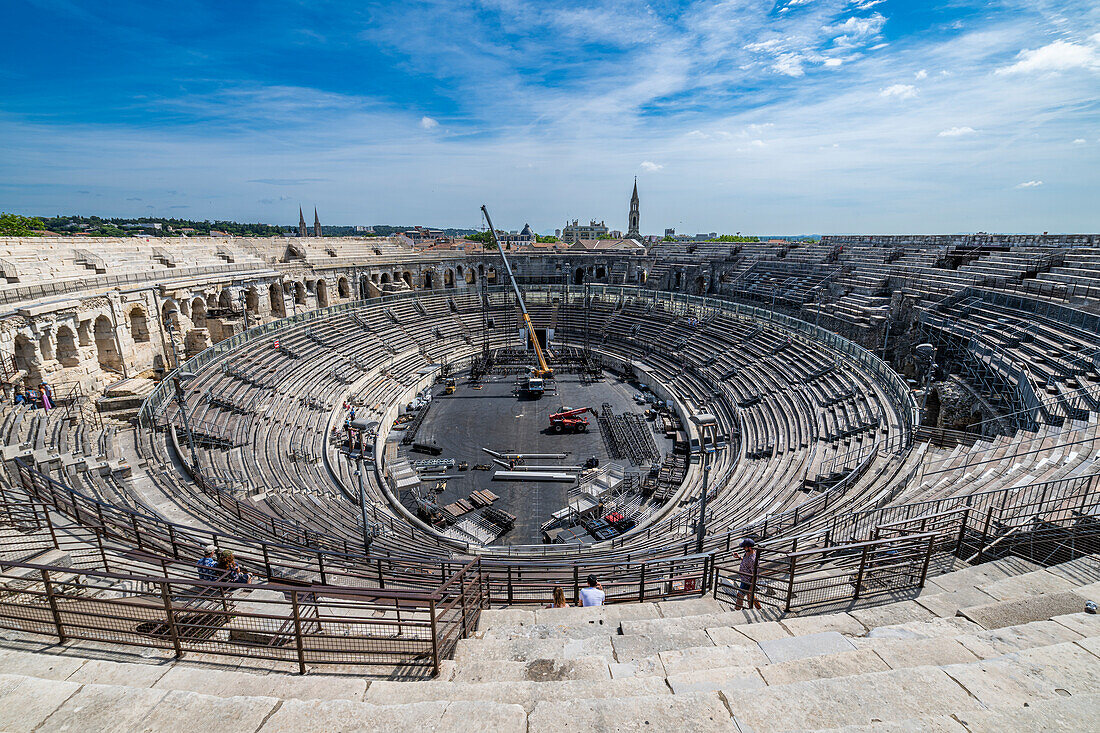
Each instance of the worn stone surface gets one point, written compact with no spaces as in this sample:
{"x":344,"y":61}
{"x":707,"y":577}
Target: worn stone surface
{"x":688,"y":660}
{"x":934,"y":724}
{"x":214,"y":682}
{"x":704,"y":680}
{"x":841,"y":622}
{"x":1085,"y":624}
{"x":27,"y":701}
{"x":46,"y":666}
{"x":680,"y":623}
{"x":947,"y":603}
{"x":1082,"y":571}
{"x":995,"y":642}
{"x":899,"y":653}
{"x":1024,"y":610}
{"x":534,"y":670}
{"x":885,"y":696}
{"x":191,"y":711}
{"x":979,"y":575}
{"x":524,"y":649}
{"x":639,"y":646}
{"x":525,"y":694}
{"x":345,"y":716}
{"x":729,"y":636}
{"x":111,"y":708}
{"x":925,"y":629}
{"x":98,"y":671}
{"x":475,"y":717}
{"x":891,"y":614}
{"x":808,"y":645}
{"x":689,"y":607}
{"x":1072,"y":714}
{"x":1028,"y":584}
{"x":860,"y":661}
{"x":763,"y":631}
{"x":648,"y":667}
{"x":698,"y":711}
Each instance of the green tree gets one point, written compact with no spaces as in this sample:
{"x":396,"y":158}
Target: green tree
{"x":548,"y":239}
{"x":13,"y":225}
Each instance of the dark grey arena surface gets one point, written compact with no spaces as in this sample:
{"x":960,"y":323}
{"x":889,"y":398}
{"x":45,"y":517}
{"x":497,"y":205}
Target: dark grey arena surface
{"x":494,"y":417}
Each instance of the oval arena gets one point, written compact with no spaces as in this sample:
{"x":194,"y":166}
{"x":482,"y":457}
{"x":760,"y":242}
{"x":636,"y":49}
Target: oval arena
{"x":906,"y":427}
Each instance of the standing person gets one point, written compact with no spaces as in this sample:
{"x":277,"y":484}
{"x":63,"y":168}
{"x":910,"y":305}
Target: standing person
{"x":593,"y":595}
{"x":747,"y":575}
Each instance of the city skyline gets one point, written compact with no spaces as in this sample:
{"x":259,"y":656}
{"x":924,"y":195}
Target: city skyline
{"x":816,"y":116}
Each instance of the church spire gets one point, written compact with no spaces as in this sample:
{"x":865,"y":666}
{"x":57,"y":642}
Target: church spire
{"x":634,"y":216}
{"x":301,"y":223}
{"x":316,"y":223}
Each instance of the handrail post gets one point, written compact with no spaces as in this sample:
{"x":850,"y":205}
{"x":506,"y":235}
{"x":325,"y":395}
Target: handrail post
{"x":927,"y":560}
{"x":170,"y":616}
{"x":641,"y":585}
{"x":435,"y":639}
{"x":510,"y":585}
{"x":462,"y":599}
{"x":862,"y":569}
{"x":298,"y":645}
{"x":962,"y":531}
{"x":985,"y":533}
{"x":576,"y":585}
{"x":53,"y":606}
{"x":790,"y":583}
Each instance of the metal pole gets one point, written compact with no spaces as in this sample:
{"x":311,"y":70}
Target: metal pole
{"x":700,"y":527}
{"x":363,"y":507}
{"x":182,"y":401}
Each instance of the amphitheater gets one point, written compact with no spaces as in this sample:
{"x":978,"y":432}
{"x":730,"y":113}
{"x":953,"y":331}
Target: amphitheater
{"x":906,"y":426}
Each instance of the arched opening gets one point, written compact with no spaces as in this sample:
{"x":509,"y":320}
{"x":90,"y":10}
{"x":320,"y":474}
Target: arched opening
{"x":45,"y":345}
{"x":252,"y":300}
{"x":481,"y":270}
{"x":385,"y":278}
{"x":364,"y":288}
{"x":932,"y":410}
{"x":322,"y":293}
{"x":700,"y":285}
{"x":84,"y":333}
{"x":491,"y":276}
{"x":139,"y":326}
{"x":679,"y":280}
{"x":300,"y":293}
{"x":211,"y":301}
{"x":374,"y":277}
{"x":185,"y":308}
{"x":578,"y":276}
{"x":426,"y":278}
{"x":106,"y":346}
{"x":198,"y":313}
{"x":26,"y":359}
{"x":275,"y":295}
{"x":601,"y":272}
{"x":408,"y":278}
{"x":342,"y":288}
{"x":471,"y":277}
{"x":67,"y":352}
{"x":642,"y":275}
{"x":448,"y":278}
{"x":225,"y":299}
{"x":169,"y":315}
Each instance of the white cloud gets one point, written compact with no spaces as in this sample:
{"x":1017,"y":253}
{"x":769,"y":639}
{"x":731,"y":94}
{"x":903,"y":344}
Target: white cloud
{"x":428,"y":123}
{"x":855,"y":30}
{"x":833,"y":62}
{"x":922,"y":74}
{"x":957,"y":131}
{"x":1079,"y":141}
{"x":649,"y":165}
{"x":1029,"y":184}
{"x":900,"y":91}
{"x":1054,"y":57}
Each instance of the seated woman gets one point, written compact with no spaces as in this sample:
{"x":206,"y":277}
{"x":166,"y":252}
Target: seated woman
{"x":234,"y":573}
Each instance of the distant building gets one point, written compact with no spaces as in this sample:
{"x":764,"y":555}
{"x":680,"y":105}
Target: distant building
{"x":574,"y":230}
{"x":364,"y":230}
{"x":634,"y":217}
{"x":302,"y":231}
{"x":670,"y":232}
{"x":523,"y":238}
{"x":316,"y":223}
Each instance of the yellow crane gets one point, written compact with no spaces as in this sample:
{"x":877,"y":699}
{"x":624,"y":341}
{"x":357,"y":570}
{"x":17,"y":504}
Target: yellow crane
{"x":543,"y":369}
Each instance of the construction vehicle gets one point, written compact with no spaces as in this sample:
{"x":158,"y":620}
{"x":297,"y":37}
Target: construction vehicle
{"x":570,"y":420}
{"x":452,"y":385}
{"x":534,"y":385}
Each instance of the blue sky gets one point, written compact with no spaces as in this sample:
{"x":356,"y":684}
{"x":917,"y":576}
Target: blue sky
{"x":798,"y":116}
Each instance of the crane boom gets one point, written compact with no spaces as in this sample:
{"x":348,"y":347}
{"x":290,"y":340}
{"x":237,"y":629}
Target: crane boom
{"x":543,"y":368}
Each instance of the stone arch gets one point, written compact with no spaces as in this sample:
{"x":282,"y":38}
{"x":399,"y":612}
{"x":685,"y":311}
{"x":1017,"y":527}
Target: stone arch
{"x":45,"y":346}
{"x":225,"y":299}
{"x":363,"y":287}
{"x":300,"y":293}
{"x":481,"y":270}
{"x":343,"y":289}
{"x":139,"y":325}
{"x":198,"y":313}
{"x":601,"y":272}
{"x":321,"y":289}
{"x":642,"y":275}
{"x":385,"y":278}
{"x":84,"y":332}
{"x":426,"y":280}
{"x":27,"y":359}
{"x":252,"y":299}
{"x":408,"y":278}
{"x":679,"y":283}
{"x":106,"y":345}
{"x":578,"y":276}
{"x":491,"y":276}
{"x":448,"y":278}
{"x":374,"y":277}
{"x":932,"y":409}
{"x":169,"y":314}
{"x":185,"y":307}
{"x":67,"y":351}
{"x":700,"y":285}
{"x":471,"y":277}
{"x":275,"y":295}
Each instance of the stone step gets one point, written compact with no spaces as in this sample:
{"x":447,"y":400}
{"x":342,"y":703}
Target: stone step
{"x":977,"y":575}
{"x":702,"y":712}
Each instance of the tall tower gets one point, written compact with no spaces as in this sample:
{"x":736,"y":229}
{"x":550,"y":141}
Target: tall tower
{"x":301,"y":223}
{"x":316,"y":223}
{"x":632,"y":231}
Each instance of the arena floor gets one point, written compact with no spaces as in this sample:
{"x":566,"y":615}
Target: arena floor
{"x":494,"y":417}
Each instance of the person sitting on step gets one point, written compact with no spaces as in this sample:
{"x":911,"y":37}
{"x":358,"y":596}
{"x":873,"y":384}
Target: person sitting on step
{"x":593,"y":595}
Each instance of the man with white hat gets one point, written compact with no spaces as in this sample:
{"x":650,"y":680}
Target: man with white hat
{"x":208,"y":564}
